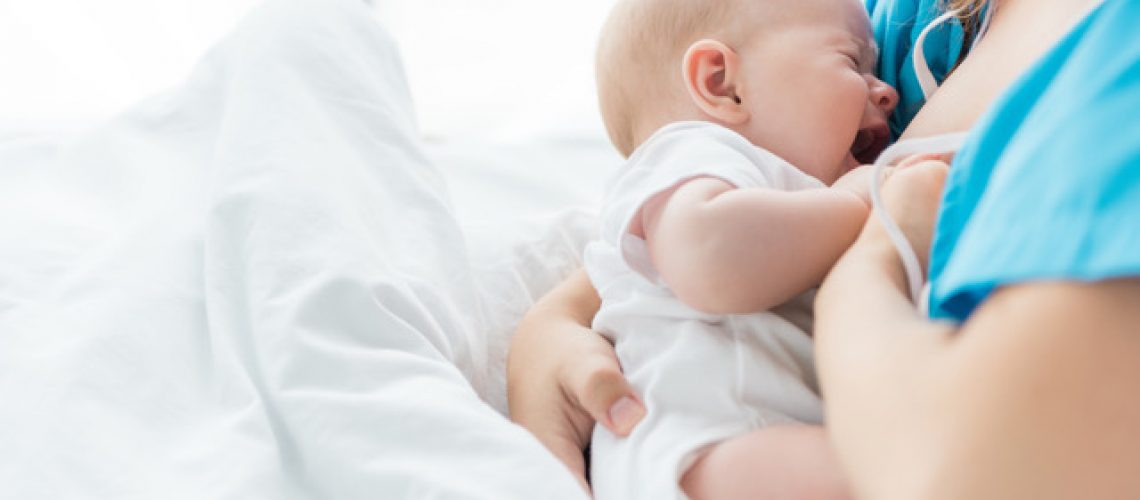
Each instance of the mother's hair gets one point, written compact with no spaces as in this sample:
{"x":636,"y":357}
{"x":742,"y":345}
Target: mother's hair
{"x":968,"y":10}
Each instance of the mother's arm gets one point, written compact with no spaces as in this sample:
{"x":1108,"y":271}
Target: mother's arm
{"x":1033,"y":397}
{"x":562,"y":376}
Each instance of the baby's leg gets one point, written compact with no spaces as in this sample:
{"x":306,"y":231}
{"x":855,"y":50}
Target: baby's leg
{"x":784,"y":462}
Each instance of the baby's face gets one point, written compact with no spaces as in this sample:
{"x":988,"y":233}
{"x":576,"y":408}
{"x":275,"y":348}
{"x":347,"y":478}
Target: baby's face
{"x":808,"y":80}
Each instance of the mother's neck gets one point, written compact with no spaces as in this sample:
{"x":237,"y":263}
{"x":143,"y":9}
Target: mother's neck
{"x":1020,"y":32}
{"x":1042,"y":21}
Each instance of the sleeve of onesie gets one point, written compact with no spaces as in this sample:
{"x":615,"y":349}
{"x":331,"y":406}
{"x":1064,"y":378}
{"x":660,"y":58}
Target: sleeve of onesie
{"x":679,"y":152}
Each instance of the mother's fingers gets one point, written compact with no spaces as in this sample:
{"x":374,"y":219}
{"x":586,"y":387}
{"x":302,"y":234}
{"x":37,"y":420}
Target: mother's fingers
{"x":924,"y":157}
{"x":917,"y":179}
{"x":912,"y":196}
{"x":600,"y":388}
{"x":560,"y":433}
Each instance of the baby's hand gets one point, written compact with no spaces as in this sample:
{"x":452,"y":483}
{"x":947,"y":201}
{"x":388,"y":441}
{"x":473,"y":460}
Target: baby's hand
{"x":858,"y":182}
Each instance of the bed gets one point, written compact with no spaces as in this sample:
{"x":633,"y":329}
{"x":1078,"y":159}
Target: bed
{"x":264,"y":283}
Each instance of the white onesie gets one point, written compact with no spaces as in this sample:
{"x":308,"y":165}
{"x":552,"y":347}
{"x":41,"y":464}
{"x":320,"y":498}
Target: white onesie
{"x":704,"y":377}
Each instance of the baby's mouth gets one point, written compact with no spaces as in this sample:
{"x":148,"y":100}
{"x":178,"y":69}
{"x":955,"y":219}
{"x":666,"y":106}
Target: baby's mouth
{"x":869,"y":142}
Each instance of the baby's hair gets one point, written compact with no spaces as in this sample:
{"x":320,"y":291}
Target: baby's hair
{"x":640,"y":50}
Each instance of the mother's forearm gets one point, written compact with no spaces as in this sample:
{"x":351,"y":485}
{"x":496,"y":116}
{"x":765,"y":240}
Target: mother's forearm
{"x":866,"y":323}
{"x":1033,"y":397}
{"x":876,"y":356}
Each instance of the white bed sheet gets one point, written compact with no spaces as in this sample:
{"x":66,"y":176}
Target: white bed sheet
{"x":258,"y":285}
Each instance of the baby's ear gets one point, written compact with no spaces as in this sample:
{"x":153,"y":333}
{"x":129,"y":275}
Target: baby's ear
{"x":710,"y":71}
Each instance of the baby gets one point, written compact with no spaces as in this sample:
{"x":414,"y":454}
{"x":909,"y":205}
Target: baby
{"x":744,"y":123}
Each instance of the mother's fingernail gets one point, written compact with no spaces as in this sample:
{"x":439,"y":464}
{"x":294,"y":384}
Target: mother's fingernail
{"x":624,"y":414}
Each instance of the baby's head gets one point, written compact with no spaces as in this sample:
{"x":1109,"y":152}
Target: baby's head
{"x":795,"y":77}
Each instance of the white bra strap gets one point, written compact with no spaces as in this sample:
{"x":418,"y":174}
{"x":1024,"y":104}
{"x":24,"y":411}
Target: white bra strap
{"x":921,"y":69}
{"x":985,"y":25}
{"x":935,"y":144}
{"x":902,"y":149}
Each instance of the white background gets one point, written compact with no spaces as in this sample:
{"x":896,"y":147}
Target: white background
{"x":498,"y":70}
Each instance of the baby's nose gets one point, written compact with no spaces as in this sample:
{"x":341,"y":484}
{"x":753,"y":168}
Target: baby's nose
{"x":883,"y":95}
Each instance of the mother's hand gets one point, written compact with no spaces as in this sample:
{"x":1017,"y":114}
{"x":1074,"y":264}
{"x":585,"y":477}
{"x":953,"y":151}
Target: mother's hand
{"x":562,"y":376}
{"x":912,"y":195}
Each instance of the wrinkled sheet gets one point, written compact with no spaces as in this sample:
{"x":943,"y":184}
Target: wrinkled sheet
{"x":255,"y":286}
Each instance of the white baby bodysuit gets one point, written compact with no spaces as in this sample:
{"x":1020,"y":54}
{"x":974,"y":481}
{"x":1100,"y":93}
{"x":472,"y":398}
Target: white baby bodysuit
{"x":704,"y":377}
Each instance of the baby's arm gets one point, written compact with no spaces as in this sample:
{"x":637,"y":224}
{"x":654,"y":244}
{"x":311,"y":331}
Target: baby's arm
{"x":787,"y":462}
{"x":726,"y":250}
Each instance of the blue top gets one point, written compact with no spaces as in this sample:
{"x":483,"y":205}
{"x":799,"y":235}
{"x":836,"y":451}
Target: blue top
{"x":1048,"y":184}
{"x":897,"y":23}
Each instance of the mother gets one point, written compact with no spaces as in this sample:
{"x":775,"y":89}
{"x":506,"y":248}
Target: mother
{"x":1021,"y":384}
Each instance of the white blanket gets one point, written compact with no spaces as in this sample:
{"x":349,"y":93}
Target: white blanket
{"x":255,"y":287}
